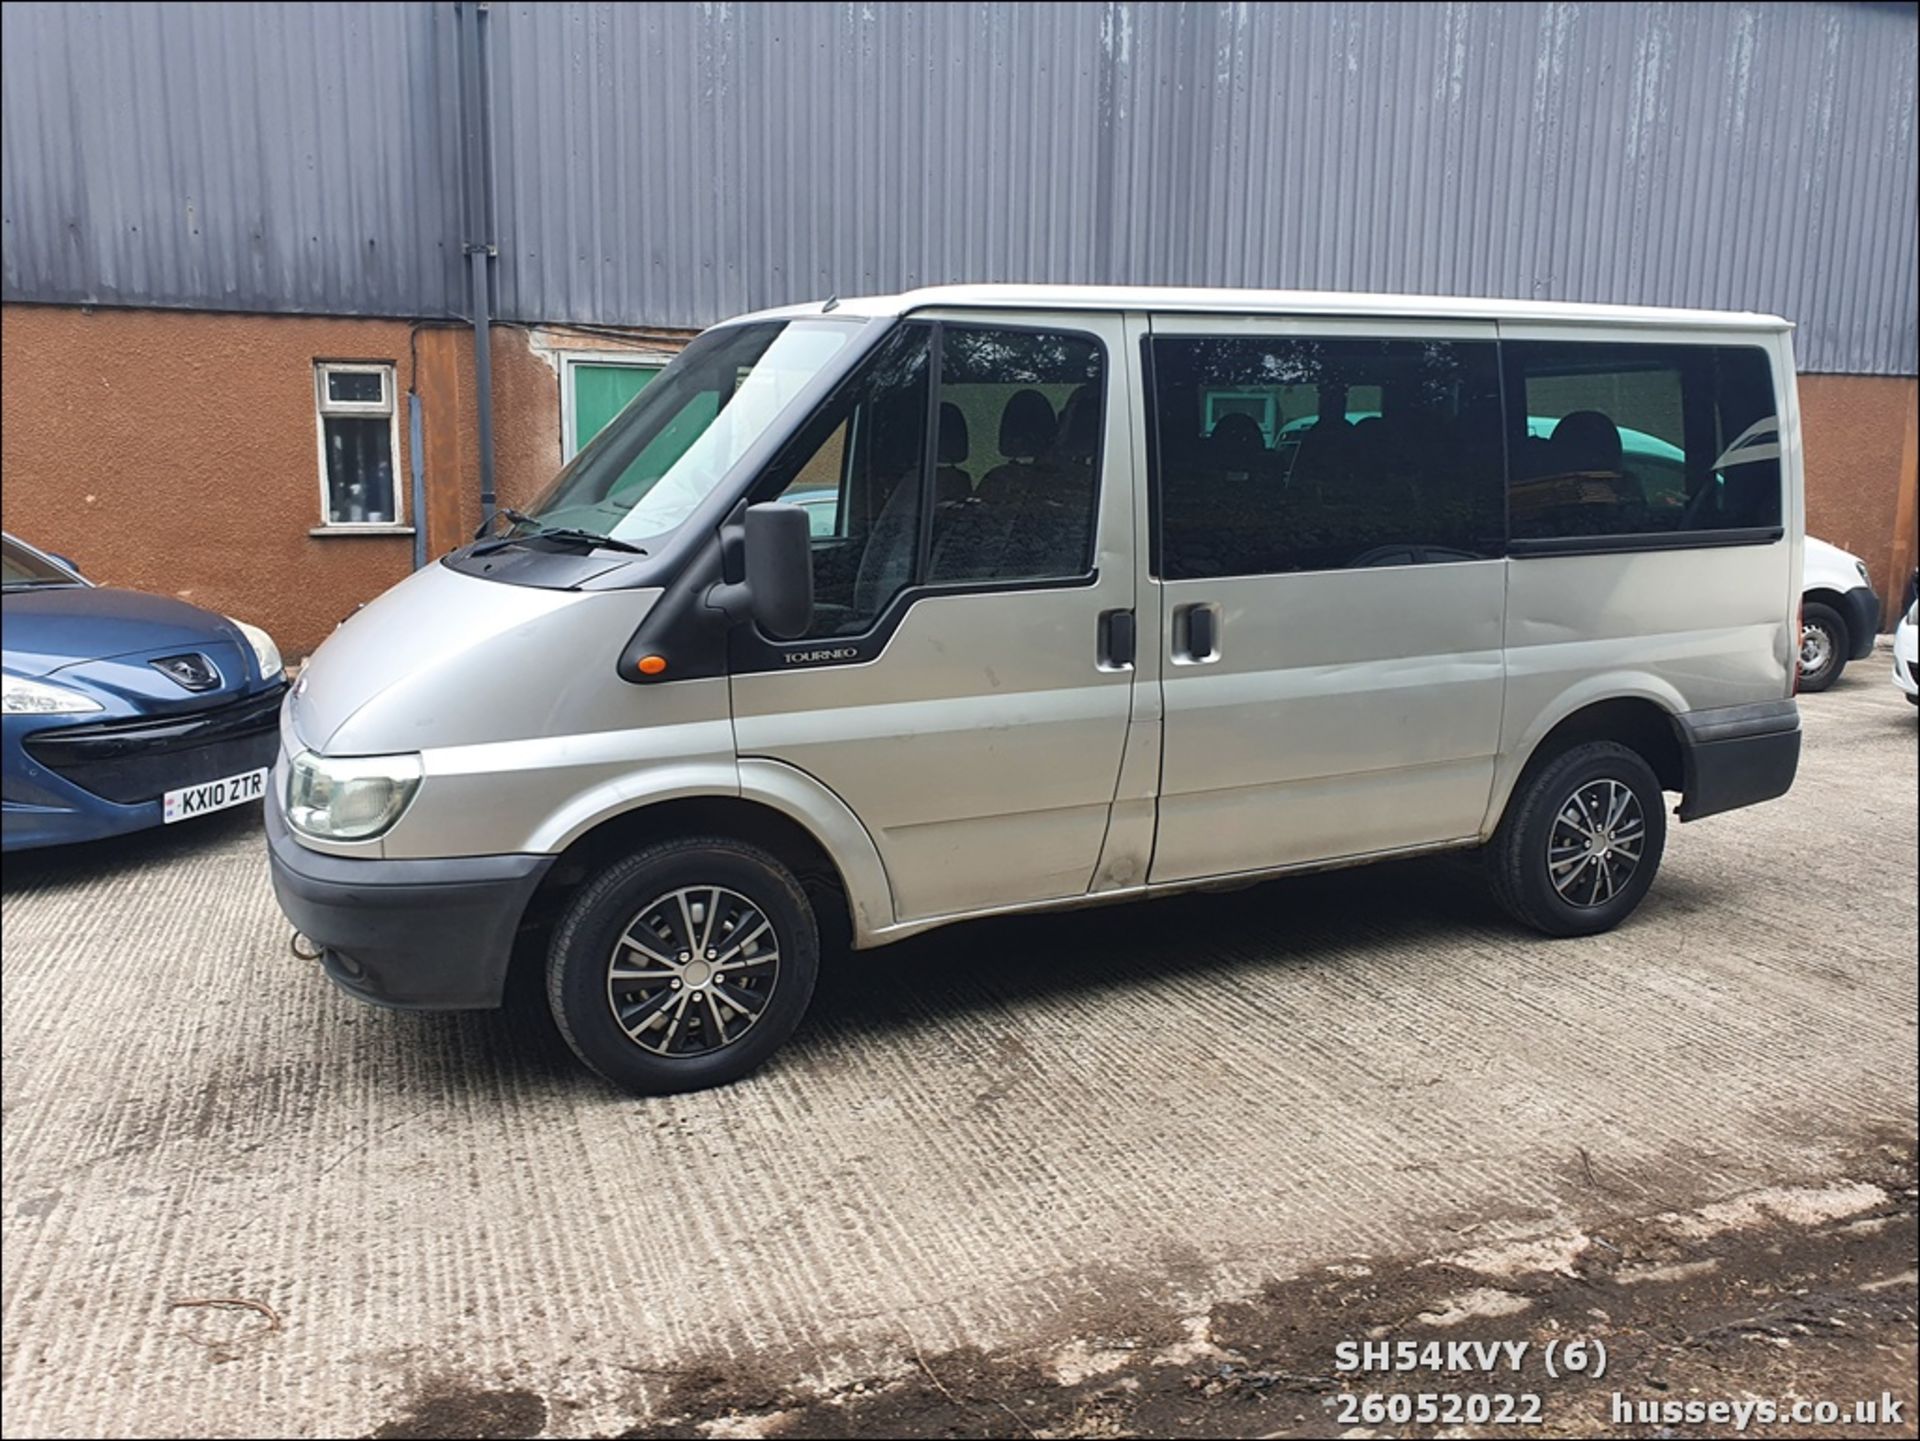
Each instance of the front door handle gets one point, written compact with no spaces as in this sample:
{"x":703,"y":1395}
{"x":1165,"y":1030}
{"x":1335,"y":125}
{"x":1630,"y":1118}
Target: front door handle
{"x":1195,"y":632}
{"x":1118,"y":640}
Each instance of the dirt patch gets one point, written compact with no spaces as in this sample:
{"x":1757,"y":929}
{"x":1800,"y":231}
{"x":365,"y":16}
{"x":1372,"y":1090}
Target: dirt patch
{"x":452,"y":1408}
{"x":1807,"y":1295}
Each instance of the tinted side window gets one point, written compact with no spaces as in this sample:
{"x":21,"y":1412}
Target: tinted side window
{"x":1281,"y":454}
{"x":1017,"y":471}
{"x":1640,"y":439}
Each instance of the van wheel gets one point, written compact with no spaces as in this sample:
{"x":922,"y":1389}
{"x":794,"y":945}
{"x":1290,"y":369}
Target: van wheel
{"x":684,"y":966}
{"x":1581,"y":841}
{"x":1823,"y":646}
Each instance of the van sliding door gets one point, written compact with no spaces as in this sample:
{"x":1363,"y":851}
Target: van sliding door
{"x":1329,"y":542}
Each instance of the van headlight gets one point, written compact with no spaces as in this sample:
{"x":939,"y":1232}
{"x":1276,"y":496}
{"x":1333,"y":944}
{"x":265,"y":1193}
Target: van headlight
{"x":349,"y":798}
{"x":264,"y":650}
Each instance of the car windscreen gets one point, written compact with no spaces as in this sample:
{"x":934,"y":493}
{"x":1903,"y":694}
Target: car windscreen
{"x":660,"y":457}
{"x":21,"y":567}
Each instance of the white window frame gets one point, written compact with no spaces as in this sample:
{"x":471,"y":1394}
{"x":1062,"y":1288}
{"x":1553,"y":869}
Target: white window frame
{"x":569,"y":426}
{"x":388,"y":405}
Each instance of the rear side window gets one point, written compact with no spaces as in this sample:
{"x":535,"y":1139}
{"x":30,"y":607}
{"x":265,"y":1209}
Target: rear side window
{"x":1284,"y":454}
{"x":1627,"y":440}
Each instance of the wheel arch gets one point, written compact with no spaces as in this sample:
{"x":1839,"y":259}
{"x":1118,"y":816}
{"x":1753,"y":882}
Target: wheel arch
{"x":775,"y":806}
{"x":1640,"y":717}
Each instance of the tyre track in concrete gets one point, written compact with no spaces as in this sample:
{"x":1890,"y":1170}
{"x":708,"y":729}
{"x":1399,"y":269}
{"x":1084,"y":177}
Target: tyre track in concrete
{"x":994,"y":1135}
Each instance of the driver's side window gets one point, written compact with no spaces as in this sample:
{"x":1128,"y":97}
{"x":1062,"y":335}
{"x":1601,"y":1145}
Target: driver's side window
{"x":856,"y":471}
{"x":1005,"y":494}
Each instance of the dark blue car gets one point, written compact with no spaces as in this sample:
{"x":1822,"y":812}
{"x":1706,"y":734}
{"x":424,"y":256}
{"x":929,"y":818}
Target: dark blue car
{"x":125,"y":710}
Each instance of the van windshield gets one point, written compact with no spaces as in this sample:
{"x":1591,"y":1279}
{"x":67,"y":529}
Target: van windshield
{"x":653,"y":464}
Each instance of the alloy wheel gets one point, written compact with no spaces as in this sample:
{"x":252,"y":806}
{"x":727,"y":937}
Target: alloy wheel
{"x":1596,"y":843}
{"x":693,"y":971}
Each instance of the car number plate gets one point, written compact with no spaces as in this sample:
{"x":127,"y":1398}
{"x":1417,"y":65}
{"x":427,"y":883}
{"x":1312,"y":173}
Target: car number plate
{"x":214,"y":795}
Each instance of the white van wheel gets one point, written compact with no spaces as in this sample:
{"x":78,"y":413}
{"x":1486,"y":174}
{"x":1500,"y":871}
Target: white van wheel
{"x":1823,"y":646}
{"x":683,"y":966}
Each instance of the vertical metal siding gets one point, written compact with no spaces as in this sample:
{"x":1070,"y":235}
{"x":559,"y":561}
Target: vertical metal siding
{"x":677,"y":163}
{"x":288,"y":157}
{"x":669,"y":164}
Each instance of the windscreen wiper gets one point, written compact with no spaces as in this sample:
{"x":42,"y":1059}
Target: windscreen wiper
{"x":518,"y":517}
{"x":565,"y":534}
{"x":575,"y":536}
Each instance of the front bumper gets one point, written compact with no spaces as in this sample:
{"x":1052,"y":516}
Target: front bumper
{"x":414,"y":934}
{"x":83,"y":780}
{"x":1861,"y":606}
{"x":1737,"y":755}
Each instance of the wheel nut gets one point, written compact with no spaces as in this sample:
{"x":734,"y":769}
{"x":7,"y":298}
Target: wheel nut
{"x":685,"y":956}
{"x":711,"y":955}
{"x":676,"y":985}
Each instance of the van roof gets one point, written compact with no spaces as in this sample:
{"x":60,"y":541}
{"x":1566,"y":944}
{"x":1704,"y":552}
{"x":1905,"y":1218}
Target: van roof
{"x":1278,"y":302}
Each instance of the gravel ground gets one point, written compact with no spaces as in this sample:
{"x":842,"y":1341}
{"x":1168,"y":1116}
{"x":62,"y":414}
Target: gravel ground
{"x":1026,"y":1175}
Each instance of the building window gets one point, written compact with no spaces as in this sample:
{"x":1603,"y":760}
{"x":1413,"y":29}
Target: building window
{"x":359,"y":442}
{"x":595,"y":387}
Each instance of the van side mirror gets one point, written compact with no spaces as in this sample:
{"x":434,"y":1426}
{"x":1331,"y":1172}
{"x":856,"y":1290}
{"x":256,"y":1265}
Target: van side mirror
{"x":780,"y":569}
{"x":777,"y":591}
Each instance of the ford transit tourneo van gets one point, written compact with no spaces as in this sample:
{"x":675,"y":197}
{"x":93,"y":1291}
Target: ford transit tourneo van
{"x":871,"y":616}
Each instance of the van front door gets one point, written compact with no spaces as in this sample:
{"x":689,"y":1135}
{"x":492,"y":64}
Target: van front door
{"x":970,"y":493}
{"x":1330,"y":540}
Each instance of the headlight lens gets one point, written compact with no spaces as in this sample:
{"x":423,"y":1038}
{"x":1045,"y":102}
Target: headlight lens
{"x":264,"y":650}
{"x":349,"y":798}
{"x":36,"y":697}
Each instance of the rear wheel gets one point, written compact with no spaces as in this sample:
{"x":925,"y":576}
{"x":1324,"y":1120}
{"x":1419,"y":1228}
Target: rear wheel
{"x":683,"y":966}
{"x":1823,"y":646}
{"x":1581,"y":841}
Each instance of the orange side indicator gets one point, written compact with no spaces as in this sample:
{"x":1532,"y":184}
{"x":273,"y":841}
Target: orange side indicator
{"x":651,"y":664}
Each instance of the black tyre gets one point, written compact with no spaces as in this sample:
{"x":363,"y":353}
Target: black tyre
{"x":1824,"y":644}
{"x":684,"y":966}
{"x":1581,"y":841}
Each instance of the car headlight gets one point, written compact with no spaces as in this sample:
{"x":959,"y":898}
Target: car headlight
{"x":264,"y":650}
{"x":1913,"y":613}
{"x":349,"y":798}
{"x":36,"y":697}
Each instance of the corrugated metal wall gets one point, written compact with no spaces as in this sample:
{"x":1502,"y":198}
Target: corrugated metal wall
{"x":669,"y":164}
{"x":288,"y":157}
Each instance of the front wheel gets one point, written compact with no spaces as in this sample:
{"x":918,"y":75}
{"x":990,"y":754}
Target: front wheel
{"x":1581,"y":841}
{"x":1823,"y":646}
{"x":683,"y":966}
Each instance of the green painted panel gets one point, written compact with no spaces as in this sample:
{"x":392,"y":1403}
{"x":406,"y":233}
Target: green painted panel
{"x":600,"y":392}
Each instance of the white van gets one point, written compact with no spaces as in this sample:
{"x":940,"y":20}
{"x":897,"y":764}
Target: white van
{"x":1839,"y":613}
{"x":871,"y":616}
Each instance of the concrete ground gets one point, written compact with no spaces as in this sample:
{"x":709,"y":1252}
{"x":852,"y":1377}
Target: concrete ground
{"x":1086,"y":1143}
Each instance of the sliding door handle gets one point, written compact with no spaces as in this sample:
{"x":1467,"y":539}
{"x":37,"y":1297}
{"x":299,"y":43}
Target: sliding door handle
{"x":1196,"y":632}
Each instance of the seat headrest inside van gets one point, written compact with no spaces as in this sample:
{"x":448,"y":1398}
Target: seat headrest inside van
{"x":1026,"y":425}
